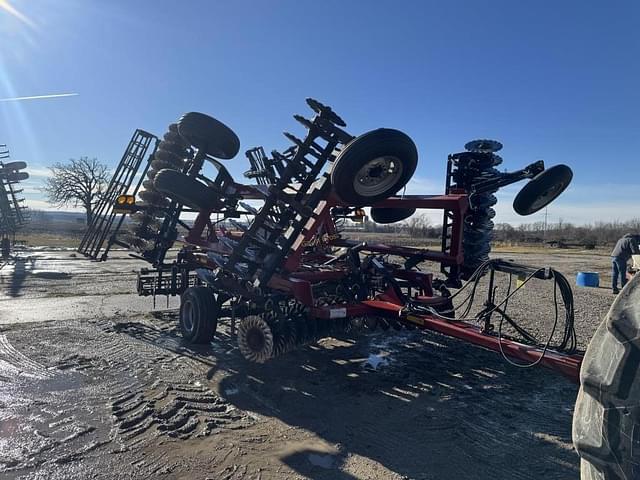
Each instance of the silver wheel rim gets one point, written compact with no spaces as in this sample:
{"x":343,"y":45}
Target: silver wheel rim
{"x":187,"y":317}
{"x":377,"y":176}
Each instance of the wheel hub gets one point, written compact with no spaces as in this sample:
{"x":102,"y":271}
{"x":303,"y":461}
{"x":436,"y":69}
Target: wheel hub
{"x":255,"y":340}
{"x":377,"y":175}
{"x":544,"y":196}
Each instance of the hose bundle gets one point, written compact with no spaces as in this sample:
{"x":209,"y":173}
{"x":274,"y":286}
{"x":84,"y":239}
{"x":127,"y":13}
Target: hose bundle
{"x":567,"y":343}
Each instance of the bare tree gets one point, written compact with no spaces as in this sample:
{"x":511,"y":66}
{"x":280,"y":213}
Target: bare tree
{"x":78,"y":182}
{"x":418,"y":226}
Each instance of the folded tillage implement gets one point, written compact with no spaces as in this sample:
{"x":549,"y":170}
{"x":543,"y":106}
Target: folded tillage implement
{"x":288,"y":275}
{"x":14,"y":214}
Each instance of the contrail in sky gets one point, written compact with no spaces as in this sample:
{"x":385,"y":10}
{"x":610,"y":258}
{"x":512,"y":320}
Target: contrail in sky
{"x":37,"y":97}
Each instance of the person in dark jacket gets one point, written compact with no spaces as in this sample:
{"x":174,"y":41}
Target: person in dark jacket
{"x":626,"y":246}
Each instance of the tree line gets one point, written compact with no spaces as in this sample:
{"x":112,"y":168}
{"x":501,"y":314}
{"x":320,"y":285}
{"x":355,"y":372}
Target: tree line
{"x":560,"y":233}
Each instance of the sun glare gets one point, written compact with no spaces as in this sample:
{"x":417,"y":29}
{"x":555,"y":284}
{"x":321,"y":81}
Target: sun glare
{"x":6,"y":6}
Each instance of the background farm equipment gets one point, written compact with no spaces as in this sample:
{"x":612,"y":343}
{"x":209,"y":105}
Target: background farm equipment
{"x":287,"y":273}
{"x":14,"y":214}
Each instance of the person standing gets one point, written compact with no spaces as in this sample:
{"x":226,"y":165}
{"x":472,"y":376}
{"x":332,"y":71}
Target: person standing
{"x":625,"y":247}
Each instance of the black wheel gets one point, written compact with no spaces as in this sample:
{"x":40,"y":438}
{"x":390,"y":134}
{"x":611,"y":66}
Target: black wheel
{"x":186,"y":190}
{"x":374,"y":166}
{"x":13,"y":166}
{"x":208,"y":134}
{"x":606,"y":420}
{"x":391,"y":215}
{"x":199,"y":311}
{"x":15,"y":176}
{"x":542,"y":189}
{"x":255,"y":339}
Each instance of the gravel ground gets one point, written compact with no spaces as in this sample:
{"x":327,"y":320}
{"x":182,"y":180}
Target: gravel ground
{"x":96,"y":384}
{"x":533,"y":306}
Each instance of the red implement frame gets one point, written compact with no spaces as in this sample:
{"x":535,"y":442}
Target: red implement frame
{"x":567,"y":365}
{"x":298,"y":282}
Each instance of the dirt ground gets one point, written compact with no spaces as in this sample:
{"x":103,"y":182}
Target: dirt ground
{"x":95,"y":383}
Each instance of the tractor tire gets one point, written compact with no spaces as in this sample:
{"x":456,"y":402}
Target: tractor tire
{"x":606,"y":421}
{"x":199,"y":309}
{"x":208,"y":134}
{"x":390,"y":215}
{"x":374,"y":166}
{"x":186,"y":190}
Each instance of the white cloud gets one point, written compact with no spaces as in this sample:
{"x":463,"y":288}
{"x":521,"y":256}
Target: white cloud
{"x":38,"y":172}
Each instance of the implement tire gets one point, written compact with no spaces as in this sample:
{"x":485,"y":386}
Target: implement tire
{"x":542,"y":189}
{"x":186,"y":190}
{"x":374,"y":166}
{"x":208,"y":134}
{"x":199,"y":311}
{"x":606,"y":421}
{"x":390,"y":215}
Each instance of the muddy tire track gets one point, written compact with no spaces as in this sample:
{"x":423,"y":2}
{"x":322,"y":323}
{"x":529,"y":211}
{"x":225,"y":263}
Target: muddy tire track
{"x":91,"y":391}
{"x":14,"y":363}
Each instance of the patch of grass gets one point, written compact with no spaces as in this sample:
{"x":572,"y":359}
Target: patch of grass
{"x":50,"y":240}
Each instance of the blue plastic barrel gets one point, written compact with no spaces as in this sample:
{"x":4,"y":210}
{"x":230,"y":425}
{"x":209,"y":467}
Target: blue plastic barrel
{"x":588,"y":279}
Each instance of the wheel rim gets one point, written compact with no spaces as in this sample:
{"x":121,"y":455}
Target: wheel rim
{"x":377,"y":176}
{"x":188,"y":313}
{"x":546,"y":197}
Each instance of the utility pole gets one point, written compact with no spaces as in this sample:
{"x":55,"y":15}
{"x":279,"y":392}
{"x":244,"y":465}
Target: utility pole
{"x":544,"y":229}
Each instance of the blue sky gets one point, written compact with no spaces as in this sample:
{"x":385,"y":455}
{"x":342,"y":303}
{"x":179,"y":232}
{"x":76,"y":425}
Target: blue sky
{"x":552,"y":80}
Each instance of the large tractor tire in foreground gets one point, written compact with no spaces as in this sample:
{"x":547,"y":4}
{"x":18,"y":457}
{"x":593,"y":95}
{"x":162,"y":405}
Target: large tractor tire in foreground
{"x":606,"y":422}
